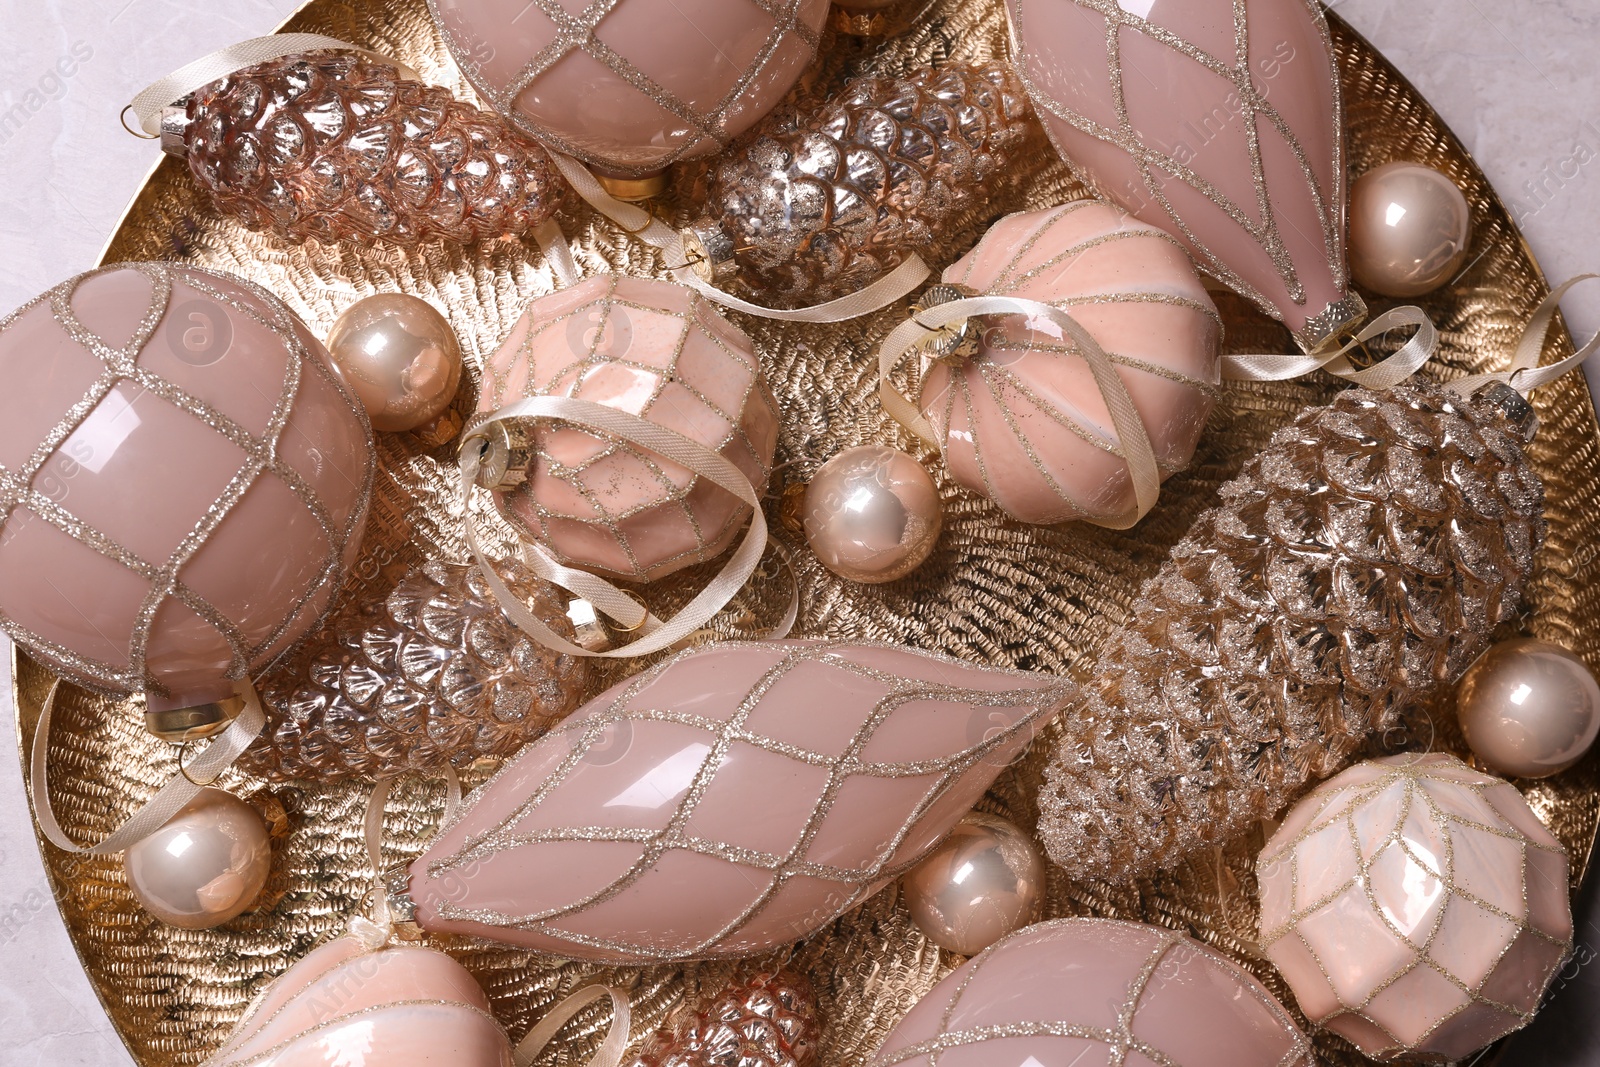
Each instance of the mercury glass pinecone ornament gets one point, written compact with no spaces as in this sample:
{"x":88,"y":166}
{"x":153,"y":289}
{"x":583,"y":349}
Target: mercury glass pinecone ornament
{"x":336,"y":146}
{"x":434,"y":674}
{"x":769,"y":1020}
{"x":1355,"y":566}
{"x":821,"y":205}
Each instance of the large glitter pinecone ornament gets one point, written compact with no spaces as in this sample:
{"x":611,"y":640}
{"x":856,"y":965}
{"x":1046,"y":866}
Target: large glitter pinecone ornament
{"x":821,"y":205}
{"x":336,"y":146}
{"x":434,"y":674}
{"x":1355,"y":566}
{"x":768,"y":1020}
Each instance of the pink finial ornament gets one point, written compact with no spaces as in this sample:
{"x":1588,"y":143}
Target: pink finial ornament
{"x":1021,"y":421}
{"x":185,"y":481}
{"x":1097,"y":991}
{"x":1415,"y":905}
{"x":733,"y":799}
{"x":345,"y":1005}
{"x":633,"y":86}
{"x":649,"y":348}
{"x":1218,"y":120}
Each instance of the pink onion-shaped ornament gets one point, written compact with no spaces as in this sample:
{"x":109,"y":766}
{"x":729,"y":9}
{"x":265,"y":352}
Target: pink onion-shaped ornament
{"x":1415,"y":906}
{"x":1020,"y":420}
{"x":649,"y":348}
{"x":1100,"y":991}
{"x":730,"y":800}
{"x":185,"y":482}
{"x":345,"y":1005}
{"x":633,"y":86}
{"x":1220,"y":121}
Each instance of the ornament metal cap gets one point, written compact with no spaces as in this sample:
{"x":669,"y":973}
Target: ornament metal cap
{"x":505,"y":448}
{"x":956,"y":342}
{"x":1324,"y":330}
{"x":632,"y":190}
{"x":1511,"y":405}
{"x":174,"y":128}
{"x":709,"y":252}
{"x":193,"y":722}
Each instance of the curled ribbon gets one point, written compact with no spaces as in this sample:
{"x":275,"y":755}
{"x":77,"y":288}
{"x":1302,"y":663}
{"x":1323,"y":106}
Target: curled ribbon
{"x":611,"y":1050}
{"x":159,"y":809}
{"x":655,"y":634}
{"x":374,"y":933}
{"x":1525,"y":375}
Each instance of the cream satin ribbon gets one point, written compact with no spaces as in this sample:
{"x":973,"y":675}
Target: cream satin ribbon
{"x":611,"y":1050}
{"x":374,"y":933}
{"x":1388,"y":372}
{"x":159,"y":809}
{"x":621,"y":607}
{"x":1525,"y":375}
{"x":651,"y":230}
{"x":162,"y":94}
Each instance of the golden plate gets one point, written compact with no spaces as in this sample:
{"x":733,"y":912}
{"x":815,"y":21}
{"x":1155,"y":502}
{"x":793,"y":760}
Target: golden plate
{"x":1040,"y":599}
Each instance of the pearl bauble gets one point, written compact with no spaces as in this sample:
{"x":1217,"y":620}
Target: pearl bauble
{"x":1528,"y":708}
{"x":1409,"y":229}
{"x":872,"y":514}
{"x":205,"y":866}
{"x":983,"y":882}
{"x":400,"y":357}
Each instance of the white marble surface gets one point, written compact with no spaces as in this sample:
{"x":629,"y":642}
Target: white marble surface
{"x":1516,"y":79}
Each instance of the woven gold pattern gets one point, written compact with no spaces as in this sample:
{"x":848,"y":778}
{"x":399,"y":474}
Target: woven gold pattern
{"x":1032,"y":597}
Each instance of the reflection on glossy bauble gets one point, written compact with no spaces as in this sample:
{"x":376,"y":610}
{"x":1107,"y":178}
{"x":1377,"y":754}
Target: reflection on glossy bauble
{"x":985,"y":881}
{"x":400,"y":357}
{"x":205,"y":866}
{"x":1409,"y":229}
{"x":872,"y":514}
{"x":1529,"y":709}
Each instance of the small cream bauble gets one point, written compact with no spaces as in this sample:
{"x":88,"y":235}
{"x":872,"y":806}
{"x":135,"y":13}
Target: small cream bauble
{"x":1529,"y":709}
{"x":1410,"y":228}
{"x":985,"y":881}
{"x":205,"y":866}
{"x":872,"y":514}
{"x":400,"y":357}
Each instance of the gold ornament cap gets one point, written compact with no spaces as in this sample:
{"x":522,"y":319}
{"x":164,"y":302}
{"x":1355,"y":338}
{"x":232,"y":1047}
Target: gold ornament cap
{"x":194,"y":722}
{"x":956,"y":342}
{"x":633,"y":190}
{"x":1511,"y":406}
{"x":505,"y":448}
{"x":709,"y":252}
{"x":1326,"y":328}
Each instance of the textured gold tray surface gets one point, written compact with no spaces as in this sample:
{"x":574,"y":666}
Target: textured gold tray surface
{"x":994,"y":591}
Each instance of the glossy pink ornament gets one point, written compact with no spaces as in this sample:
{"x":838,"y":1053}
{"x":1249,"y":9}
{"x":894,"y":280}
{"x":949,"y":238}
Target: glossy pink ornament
{"x":1097,"y":991}
{"x":345,"y":1005}
{"x":730,"y":800}
{"x":650,"y":348}
{"x":1415,"y":905}
{"x":1219,"y":121}
{"x":1021,"y":420}
{"x":632,"y":86}
{"x":204,"y":867}
{"x":185,"y":480}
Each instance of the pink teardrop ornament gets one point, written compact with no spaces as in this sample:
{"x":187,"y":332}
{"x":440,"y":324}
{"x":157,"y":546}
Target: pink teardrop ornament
{"x":346,"y":1006}
{"x":737,"y":797}
{"x":1021,"y":421}
{"x":1220,"y":121}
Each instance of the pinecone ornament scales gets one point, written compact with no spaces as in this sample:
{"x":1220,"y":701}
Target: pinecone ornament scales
{"x":1353,"y":567}
{"x":433,"y":675}
{"x":336,"y":146}
{"x":821,"y":206}
{"x":767,"y":1020}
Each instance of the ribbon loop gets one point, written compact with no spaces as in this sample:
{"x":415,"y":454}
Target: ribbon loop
{"x":611,"y":1050}
{"x":374,"y":933}
{"x":1385,"y":374}
{"x":651,"y":230}
{"x":655,"y":634}
{"x":162,"y":94}
{"x":1525,"y":375}
{"x":169,"y":799}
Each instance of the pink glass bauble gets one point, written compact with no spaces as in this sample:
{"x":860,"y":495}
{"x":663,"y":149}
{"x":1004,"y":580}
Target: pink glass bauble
{"x":653,"y":349}
{"x":983,"y":882}
{"x":344,"y":1005}
{"x":1528,"y":709}
{"x":633,"y":85}
{"x":1410,"y":229}
{"x":204,"y":867}
{"x":1415,"y":905}
{"x":1219,"y":121}
{"x":872,"y":514}
{"x":1021,"y":421}
{"x":186,"y":480}
{"x":1097,"y":991}
{"x":730,"y":800}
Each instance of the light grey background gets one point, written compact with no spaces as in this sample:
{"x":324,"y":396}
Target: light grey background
{"x":1518,"y":80}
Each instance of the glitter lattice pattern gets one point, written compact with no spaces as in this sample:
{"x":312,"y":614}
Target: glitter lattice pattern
{"x":786,"y":781}
{"x":1414,"y":903}
{"x":659,"y":351}
{"x":108,"y":412}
